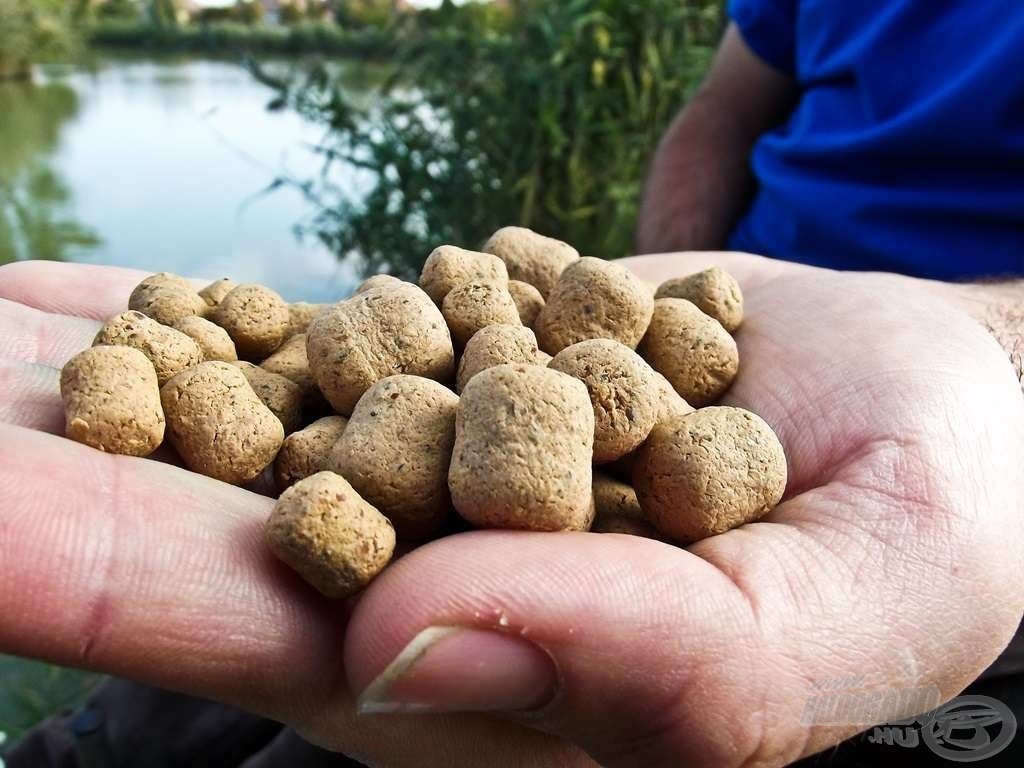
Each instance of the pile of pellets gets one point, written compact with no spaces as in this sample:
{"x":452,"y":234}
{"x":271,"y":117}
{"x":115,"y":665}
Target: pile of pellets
{"x":519,"y":387}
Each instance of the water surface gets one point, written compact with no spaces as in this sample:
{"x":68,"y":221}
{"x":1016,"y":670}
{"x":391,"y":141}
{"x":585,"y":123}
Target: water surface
{"x":160,"y":164}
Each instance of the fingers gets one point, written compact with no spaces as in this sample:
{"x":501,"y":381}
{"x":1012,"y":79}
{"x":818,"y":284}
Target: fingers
{"x":636,"y":650}
{"x":146,"y":571}
{"x":83,"y":290}
{"x":37,"y":337}
{"x":30,"y":396}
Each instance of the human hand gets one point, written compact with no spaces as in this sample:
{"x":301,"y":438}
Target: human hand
{"x":896,"y":555}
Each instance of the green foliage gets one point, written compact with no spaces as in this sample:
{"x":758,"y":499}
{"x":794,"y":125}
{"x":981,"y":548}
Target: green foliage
{"x":290,"y":13}
{"x":119,"y":9}
{"x":161,"y":13}
{"x":248,"y":11}
{"x":31,"y":31}
{"x":32,"y":691}
{"x":360,"y":14}
{"x":547,"y":120}
{"x":239,"y":38}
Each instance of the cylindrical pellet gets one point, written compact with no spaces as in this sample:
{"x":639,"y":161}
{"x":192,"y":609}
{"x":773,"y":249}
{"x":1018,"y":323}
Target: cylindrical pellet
{"x":709,"y":472}
{"x":594,"y":299}
{"x":218,"y":425}
{"x":375,"y":334}
{"x":331,"y":537}
{"x":112,"y":401}
{"x":690,"y":349}
{"x":170,"y":351}
{"x":523,"y":445}
{"x":396,"y":450}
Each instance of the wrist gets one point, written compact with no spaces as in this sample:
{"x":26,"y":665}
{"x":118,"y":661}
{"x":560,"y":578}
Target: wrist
{"x":999,"y":307}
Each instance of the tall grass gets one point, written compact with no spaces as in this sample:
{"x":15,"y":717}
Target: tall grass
{"x":547,"y":121}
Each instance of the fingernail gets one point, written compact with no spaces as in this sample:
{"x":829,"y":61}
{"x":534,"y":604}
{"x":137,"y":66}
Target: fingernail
{"x":452,"y":669}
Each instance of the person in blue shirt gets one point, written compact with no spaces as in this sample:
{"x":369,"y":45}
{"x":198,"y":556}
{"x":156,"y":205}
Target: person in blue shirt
{"x":857,"y":135}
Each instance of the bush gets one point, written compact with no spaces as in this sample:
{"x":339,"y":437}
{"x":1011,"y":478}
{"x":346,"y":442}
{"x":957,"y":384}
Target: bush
{"x":119,"y":9}
{"x":546,"y":120}
{"x":31,"y":31}
{"x":241,"y":38}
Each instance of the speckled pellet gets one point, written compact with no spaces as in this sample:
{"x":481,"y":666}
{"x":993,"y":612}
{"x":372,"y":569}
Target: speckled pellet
{"x":279,"y":393}
{"x":616,"y":509}
{"x":291,"y":362}
{"x":256,"y":318}
{"x":692,"y":350}
{"x":307,"y":451}
{"x":471,"y":306}
{"x":396,"y":449}
{"x":302,"y":313}
{"x":530,"y":257}
{"x":714,"y":291}
{"x":112,"y":401}
{"x":380,"y":281}
{"x":448,"y":266}
{"x":170,"y":351}
{"x":218,"y":425}
{"x":524,"y":437}
{"x":528,"y":301}
{"x":496,"y":345}
{"x":215,"y":292}
{"x":594,"y":299}
{"x":623,"y":391}
{"x":671,"y":404}
{"x":709,"y":472}
{"x":376,"y":334}
{"x":167,"y":298}
{"x":213,"y":340}
{"x":330,"y":536}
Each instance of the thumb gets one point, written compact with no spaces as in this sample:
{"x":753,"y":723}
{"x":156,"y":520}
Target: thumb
{"x":639,"y":652}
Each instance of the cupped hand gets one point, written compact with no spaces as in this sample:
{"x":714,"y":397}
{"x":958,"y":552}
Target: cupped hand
{"x":896,"y":556}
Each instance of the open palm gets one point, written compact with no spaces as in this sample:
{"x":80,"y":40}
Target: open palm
{"x":896,"y":554}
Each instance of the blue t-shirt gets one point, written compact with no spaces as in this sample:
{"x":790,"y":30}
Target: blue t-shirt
{"x":905,"y":152}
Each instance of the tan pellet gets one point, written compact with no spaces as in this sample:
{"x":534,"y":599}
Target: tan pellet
{"x":530,"y":257}
{"x":523,"y":445}
{"x":692,"y":350}
{"x":331,"y":537}
{"x":376,"y":334}
{"x":594,"y":299}
{"x":112,"y":401}
{"x":218,"y":425}
{"x":170,"y":351}
{"x":396,"y":449}
{"x":709,"y":472}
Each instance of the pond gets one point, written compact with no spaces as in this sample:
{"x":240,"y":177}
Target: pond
{"x":163,"y":164}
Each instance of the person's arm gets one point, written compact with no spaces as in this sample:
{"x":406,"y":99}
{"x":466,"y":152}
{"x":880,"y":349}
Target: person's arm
{"x":699,"y":181}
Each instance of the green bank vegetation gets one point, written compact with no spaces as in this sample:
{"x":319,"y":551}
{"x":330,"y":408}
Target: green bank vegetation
{"x":547,"y":119}
{"x":31,"y":31}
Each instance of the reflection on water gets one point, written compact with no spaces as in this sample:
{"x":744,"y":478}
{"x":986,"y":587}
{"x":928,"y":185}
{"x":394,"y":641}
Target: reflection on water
{"x":159,"y":164}
{"x":35,"y":218}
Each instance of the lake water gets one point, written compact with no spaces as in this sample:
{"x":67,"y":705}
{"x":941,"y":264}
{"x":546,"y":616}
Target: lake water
{"x":159,"y":163}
